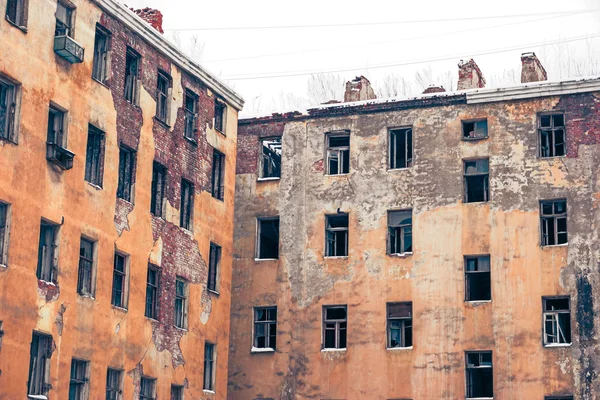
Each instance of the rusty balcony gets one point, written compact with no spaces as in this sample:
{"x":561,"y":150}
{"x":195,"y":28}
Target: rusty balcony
{"x":68,"y":48}
{"x":59,"y":155}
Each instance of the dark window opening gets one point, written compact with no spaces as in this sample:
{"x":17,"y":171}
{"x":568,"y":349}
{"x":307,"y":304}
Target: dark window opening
{"x":4,"y":233}
{"x":335,"y":319}
{"x":401,"y":148}
{"x":268,"y":238}
{"x":56,"y":126}
{"x":181,"y":303}
{"x":119,"y":286}
{"x":39,"y":364}
{"x":480,"y":374}
{"x":126,"y":173}
{"x":47,"y":269}
{"x":186,"y":208}
{"x":399,"y":323}
{"x":557,"y":320}
{"x":209,"y":366}
{"x":399,"y":232}
{"x":16,"y":12}
{"x":552,"y":135}
{"x":477,"y":278}
{"x":553,"y":221}
{"x":132,"y":61}
{"x":338,"y":154}
{"x":191,"y":107}
{"x":85,"y":279}
{"x":94,"y":156}
{"x":162,"y":96}
{"x":214,"y":262}
{"x":113,"y":384}
{"x":558,"y":398}
{"x":148,"y":389}
{"x":476,"y":177}
{"x":79,"y":380}
{"x":475,"y":129}
{"x":270,"y":158}
{"x":64,"y":20}
{"x":220,"y":116}
{"x":265,"y":327}
{"x":8,"y":109}
{"x":101,"y":48}
{"x":176,"y":392}
{"x":159,"y":189}
{"x":336,"y":233}
{"x":218,"y":175}
{"x":152,"y":288}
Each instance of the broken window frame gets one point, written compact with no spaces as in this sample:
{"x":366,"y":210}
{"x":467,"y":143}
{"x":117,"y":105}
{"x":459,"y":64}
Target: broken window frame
{"x":86,"y":275}
{"x":158,"y":190}
{"x":163,"y":90}
{"x":467,"y":176}
{"x":177,"y":392}
{"x":190,"y":115}
{"x":181,"y":303}
{"x":57,"y":126}
{"x":480,"y":129}
{"x":269,"y":166}
{"x":557,"y":237}
{"x":147,"y":388}
{"x":218,"y":175}
{"x":399,"y":235}
{"x":41,"y":349}
{"x":480,"y":262}
{"x":5,"y":211}
{"x":10,"y":100}
{"x":214,"y":263}
{"x":339,"y":326}
{"x":127,"y":164}
{"x":220,"y":116}
{"x":79,"y":380}
{"x":210,"y":350}
{"x":101,"y":61}
{"x":94,"y":156}
{"x":65,"y":27}
{"x":548,"y":148}
{"x":261,"y":238}
{"x":470,"y":370}
{"x":265,"y":327}
{"x":114,"y":384}
{"x":120,"y":284}
{"x":340,"y":153}
{"x":47,"y":269}
{"x":401,"y":323}
{"x":132,"y":74}
{"x":152,"y":292}
{"x":333,"y":234}
{"x":400,"y":142}
{"x":186,"y":209}
{"x":561,"y":333}
{"x":16,"y":13}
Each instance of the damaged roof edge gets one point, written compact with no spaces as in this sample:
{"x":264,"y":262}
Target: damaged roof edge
{"x":159,"y":42}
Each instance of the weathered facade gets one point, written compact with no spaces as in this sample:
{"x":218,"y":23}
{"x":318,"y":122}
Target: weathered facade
{"x":116,"y":208}
{"x":527,"y":328}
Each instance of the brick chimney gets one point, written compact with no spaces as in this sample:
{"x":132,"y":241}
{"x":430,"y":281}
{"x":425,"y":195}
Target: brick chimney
{"x":469,"y":76}
{"x":532,"y":69}
{"x":359,"y":89}
{"x":434,"y":89}
{"x":152,"y":16}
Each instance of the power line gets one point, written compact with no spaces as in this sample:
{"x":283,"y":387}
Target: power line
{"x":284,"y":74}
{"x":353,"y":24}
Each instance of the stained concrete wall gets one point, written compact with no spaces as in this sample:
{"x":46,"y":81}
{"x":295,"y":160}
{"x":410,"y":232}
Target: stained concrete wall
{"x":90,"y":328}
{"x":445,"y":229}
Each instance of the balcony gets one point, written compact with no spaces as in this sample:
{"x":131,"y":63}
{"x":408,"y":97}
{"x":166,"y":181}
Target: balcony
{"x":59,"y":156}
{"x":69,"y":49}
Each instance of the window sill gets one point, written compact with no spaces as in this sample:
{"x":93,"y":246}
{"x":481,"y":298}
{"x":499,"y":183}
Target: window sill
{"x":101,"y":83}
{"x":474,"y":139}
{"x":550,"y":246}
{"x":550,"y":158}
{"x":265,"y":259}
{"x":22,"y":29}
{"x":333,"y":350}
{"x":399,"y":348}
{"x":161,"y":122}
{"x":218,"y":199}
{"x":220,"y":131}
{"x":94,"y":185}
{"x":262,"y":350}
{"x":334,"y":175}
{"x":208,"y":391}
{"x":184,"y":330}
{"x":151,"y":319}
{"x":554,"y":345}
{"x":271,"y":179}
{"x":398,"y":169}
{"x":50,"y":283}
{"x":213,"y":292}
{"x":86,"y":296}
{"x":120,"y":309}
{"x":37,"y":396}
{"x":191,"y":140}
{"x":475,"y":302}
{"x":3,"y":266}
{"x":476,"y":202}
{"x":401,"y":255}
{"x":335,"y":257}
{"x":7,"y":140}
{"x":479,"y":398}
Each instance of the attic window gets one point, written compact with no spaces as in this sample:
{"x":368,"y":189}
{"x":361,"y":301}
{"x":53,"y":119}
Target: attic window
{"x":475,"y":129}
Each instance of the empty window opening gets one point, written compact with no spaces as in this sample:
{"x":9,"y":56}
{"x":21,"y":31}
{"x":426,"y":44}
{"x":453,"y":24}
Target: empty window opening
{"x":16,"y":12}
{"x":113,"y":384}
{"x":94,"y":156}
{"x":163,"y":87}
{"x":476,"y":183}
{"x":553,"y":221}
{"x":47,"y":269}
{"x":56,"y":126}
{"x":64,"y":20}
{"x":209,"y":366}
{"x":147,"y":388}
{"x":101,"y":48}
{"x":152,"y":289}
{"x":127,"y":158}
{"x":401,"y":148}
{"x":159,"y":189}
{"x":132,"y":62}
{"x":557,"y":320}
{"x":85,"y":281}
{"x":8,"y":109}
{"x":78,"y":385}
{"x":265,"y":328}
{"x":338,"y":154}
{"x":475,"y":129}
{"x":214,"y":262}
{"x":335,"y":320}
{"x":39,"y":364}
{"x":220,"y":116}
{"x":218,"y":175}
{"x":399,"y":324}
{"x":120,"y":280}
{"x":270,"y":158}
{"x":186,"y":209}
{"x":336,"y":233}
{"x":4,"y":232}
{"x":191,"y":115}
{"x":268,"y":238}
{"x":552,"y":135}
{"x":400,"y":232}
{"x":181,"y":303}
{"x":477,"y":278}
{"x":480,"y":374}
{"x":176,"y":392}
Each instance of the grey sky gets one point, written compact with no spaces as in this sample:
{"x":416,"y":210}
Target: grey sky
{"x":288,"y":51}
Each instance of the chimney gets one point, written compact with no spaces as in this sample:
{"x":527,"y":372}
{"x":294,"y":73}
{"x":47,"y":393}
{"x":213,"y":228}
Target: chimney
{"x":434,"y":89}
{"x":532,"y":69}
{"x":469,"y":76}
{"x":152,"y":16}
{"x":359,"y":89}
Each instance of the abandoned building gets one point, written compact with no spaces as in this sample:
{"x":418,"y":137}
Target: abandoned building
{"x":116,"y":208}
{"x":437,"y":247}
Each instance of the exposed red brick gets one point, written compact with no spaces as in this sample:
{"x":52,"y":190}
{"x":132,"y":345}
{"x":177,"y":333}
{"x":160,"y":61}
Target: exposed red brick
{"x":152,"y":16}
{"x":532,"y":69}
{"x":469,"y":76}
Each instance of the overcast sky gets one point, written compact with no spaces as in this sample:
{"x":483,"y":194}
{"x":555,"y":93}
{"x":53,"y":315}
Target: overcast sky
{"x":362,"y":49}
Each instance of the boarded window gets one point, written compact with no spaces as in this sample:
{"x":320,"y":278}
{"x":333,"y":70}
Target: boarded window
{"x":265,"y":327}
{"x":552,"y":135}
{"x":338,"y":153}
{"x":101,"y":48}
{"x":557,"y":320}
{"x":399,"y":324}
{"x":8,"y":108}
{"x":480,"y":374}
{"x":4,"y":233}
{"x":113,"y":384}
{"x":214,"y":263}
{"x":16,"y":12}
{"x":126,"y":173}
{"x":209,"y":366}
{"x":78,"y":384}
{"x":132,"y":62}
{"x":475,"y":129}
{"x":147,"y":388}
{"x":181,"y":303}
{"x":477,"y":278}
{"x":162,"y":96}
{"x":94,"y":156}
{"x":176,"y":392}
{"x":39,"y":364}
{"x":476,"y":181}
{"x":400,"y":232}
{"x":191,"y":107}
{"x":85,"y":281}
{"x":270,"y":158}
{"x":335,"y":320}
{"x":120,"y":280}
{"x":336,"y":235}
{"x":268,"y":238}
{"x":218,"y":175}
{"x":64,"y":20}
{"x":159,"y":189}
{"x":553,"y":222}
{"x":401,"y":148}
{"x":186,"y":207}
{"x":152,"y":289}
{"x":48,"y":252}
{"x":220,"y":116}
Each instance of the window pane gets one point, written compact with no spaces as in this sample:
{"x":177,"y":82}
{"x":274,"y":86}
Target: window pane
{"x":339,"y":141}
{"x":335,"y":313}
